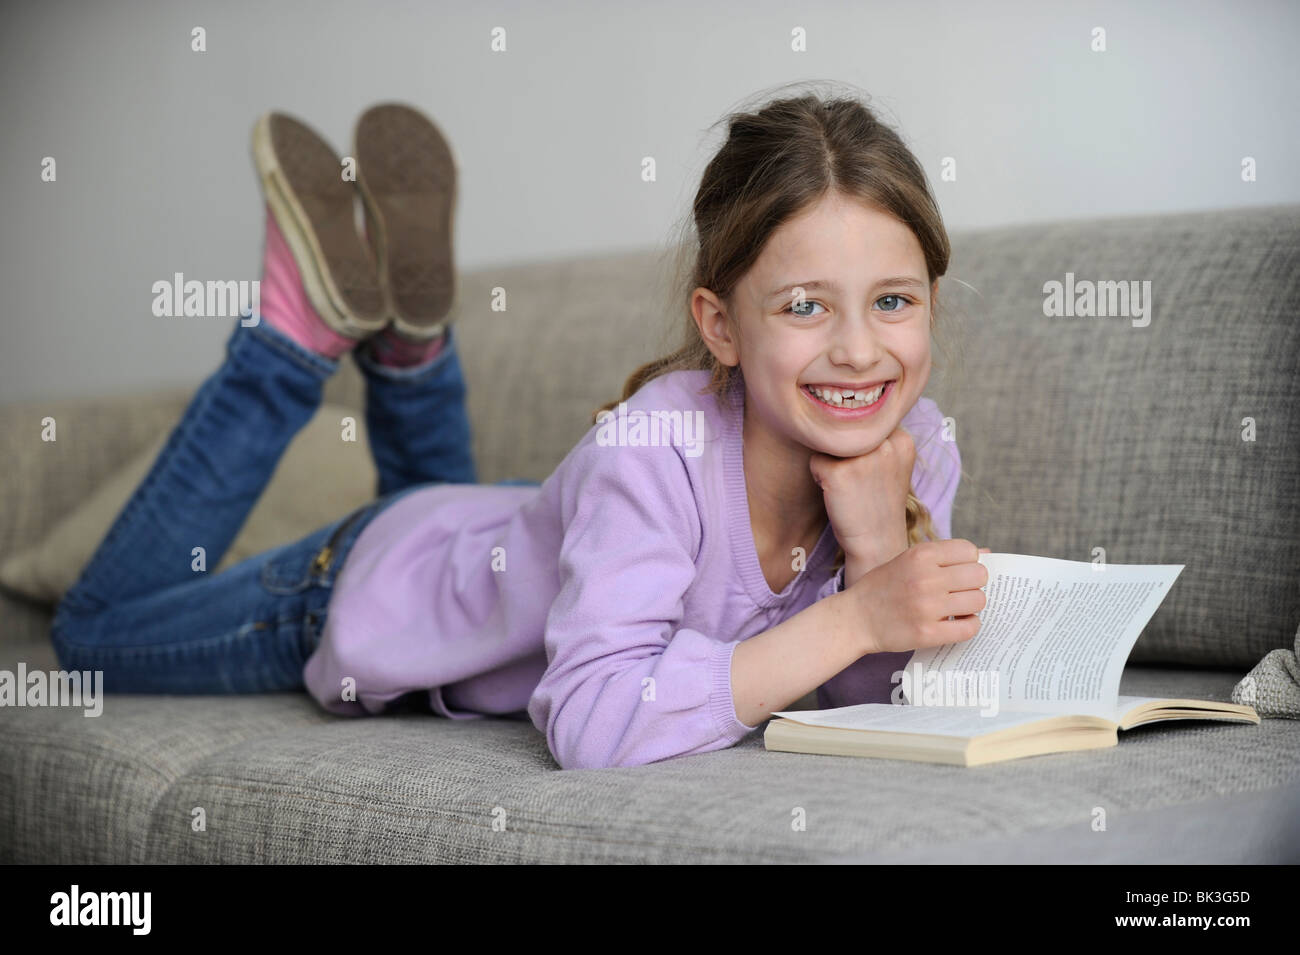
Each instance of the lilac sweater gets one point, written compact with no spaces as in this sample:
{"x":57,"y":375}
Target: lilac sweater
{"x":606,"y":603}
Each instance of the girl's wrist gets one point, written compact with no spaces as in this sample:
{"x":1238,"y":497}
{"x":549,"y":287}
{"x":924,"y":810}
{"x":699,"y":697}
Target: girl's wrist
{"x":855,"y":569}
{"x":860,"y":561}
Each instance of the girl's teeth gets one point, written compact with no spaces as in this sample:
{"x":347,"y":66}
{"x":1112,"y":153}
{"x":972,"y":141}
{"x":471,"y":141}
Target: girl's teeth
{"x":848,"y":399}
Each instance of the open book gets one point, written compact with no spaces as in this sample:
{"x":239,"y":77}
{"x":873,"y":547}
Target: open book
{"x":1041,"y":676}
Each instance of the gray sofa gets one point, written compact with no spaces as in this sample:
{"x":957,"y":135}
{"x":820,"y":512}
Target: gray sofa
{"x":1076,"y":433}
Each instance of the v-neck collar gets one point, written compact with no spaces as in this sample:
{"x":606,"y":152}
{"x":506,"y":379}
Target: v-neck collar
{"x":743,"y":546}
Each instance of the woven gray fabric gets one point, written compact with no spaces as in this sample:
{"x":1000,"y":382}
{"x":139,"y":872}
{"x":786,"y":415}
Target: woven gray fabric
{"x":1257,"y":828}
{"x":571,"y":334}
{"x":280,"y":781}
{"x":1089,"y":433}
{"x":1273,"y":686}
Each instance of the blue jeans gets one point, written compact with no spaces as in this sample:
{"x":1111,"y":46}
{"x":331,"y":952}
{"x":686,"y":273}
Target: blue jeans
{"x":152,"y":623}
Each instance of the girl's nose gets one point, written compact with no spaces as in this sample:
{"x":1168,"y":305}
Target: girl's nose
{"x":854,"y":342}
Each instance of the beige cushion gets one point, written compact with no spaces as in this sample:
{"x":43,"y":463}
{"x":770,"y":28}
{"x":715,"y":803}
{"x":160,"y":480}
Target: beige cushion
{"x":313,"y":484}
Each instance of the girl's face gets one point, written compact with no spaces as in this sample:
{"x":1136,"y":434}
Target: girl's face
{"x":864,"y":318}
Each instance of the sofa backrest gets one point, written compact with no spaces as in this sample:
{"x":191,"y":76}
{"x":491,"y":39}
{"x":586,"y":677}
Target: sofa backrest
{"x":1173,"y":443}
{"x":1171,"y":440}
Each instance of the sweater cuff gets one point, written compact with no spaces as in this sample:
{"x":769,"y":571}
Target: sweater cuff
{"x":722,"y":703}
{"x":833,"y":586}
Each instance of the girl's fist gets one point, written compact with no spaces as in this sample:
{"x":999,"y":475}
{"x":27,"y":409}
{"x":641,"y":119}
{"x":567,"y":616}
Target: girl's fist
{"x":866,"y":496}
{"x":906,"y":603}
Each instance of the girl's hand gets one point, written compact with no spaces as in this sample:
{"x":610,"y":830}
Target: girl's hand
{"x":866,"y":497}
{"x":905,"y":604}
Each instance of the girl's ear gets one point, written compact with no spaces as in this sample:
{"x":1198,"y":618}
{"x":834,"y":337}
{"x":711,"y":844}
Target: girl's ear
{"x":714,"y":326}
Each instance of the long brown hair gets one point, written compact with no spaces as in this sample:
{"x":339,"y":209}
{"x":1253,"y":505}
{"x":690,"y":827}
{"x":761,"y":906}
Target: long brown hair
{"x":776,"y":161}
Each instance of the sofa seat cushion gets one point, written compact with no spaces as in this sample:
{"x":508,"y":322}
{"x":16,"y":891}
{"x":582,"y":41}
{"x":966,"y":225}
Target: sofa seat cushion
{"x":278,"y":780}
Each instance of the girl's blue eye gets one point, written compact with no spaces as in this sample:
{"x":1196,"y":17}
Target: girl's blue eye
{"x":899,"y":299}
{"x":790,"y":308}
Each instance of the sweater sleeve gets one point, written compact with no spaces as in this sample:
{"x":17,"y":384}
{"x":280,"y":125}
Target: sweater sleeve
{"x":628,"y":682}
{"x":935,"y":477}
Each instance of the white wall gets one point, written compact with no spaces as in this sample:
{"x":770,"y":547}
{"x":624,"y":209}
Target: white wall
{"x":152,"y":140}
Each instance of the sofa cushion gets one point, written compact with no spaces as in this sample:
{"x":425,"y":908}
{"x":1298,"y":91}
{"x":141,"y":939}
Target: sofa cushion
{"x":319,"y":478}
{"x":1173,"y":443}
{"x":278,"y":781}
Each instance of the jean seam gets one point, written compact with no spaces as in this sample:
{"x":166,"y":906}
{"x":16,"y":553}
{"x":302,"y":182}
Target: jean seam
{"x":96,"y":651}
{"x":139,"y":496}
{"x":315,"y":365}
{"x":280,"y":587}
{"x":411,"y":374}
{"x":308,"y":360}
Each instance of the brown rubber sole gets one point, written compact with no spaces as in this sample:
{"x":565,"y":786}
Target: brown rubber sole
{"x":314,"y":206}
{"x":407,"y":173}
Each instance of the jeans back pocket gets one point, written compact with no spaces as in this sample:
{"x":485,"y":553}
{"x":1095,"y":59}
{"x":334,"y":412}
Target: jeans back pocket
{"x":292,"y":569}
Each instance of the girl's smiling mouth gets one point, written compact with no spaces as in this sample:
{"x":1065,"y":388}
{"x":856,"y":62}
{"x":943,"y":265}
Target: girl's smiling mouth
{"x":835,"y":402}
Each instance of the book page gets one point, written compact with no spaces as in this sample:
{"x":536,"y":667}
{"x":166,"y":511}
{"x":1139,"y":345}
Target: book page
{"x":1056,"y":633}
{"x":1126,"y":704}
{"x":962,"y":721}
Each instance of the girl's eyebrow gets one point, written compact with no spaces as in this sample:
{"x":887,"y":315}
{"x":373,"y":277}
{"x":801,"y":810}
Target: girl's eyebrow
{"x":819,"y":284}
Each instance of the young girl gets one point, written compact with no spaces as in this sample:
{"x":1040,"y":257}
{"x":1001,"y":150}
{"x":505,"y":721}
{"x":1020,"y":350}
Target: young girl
{"x":668,"y":586}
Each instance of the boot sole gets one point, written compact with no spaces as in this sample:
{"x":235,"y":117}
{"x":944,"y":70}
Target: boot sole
{"x":408,"y":174}
{"x":314,"y":207}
